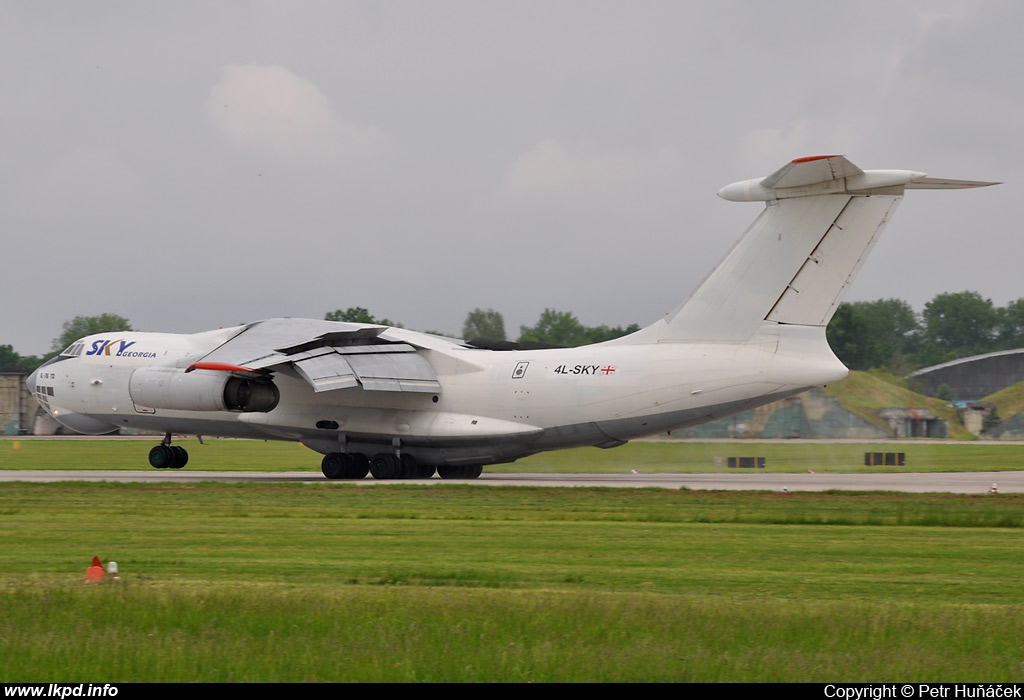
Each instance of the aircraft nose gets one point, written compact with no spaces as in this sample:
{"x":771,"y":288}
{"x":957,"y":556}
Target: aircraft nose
{"x":30,"y":382}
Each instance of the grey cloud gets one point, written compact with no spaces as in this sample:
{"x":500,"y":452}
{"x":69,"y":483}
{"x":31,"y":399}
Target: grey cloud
{"x":271,"y":111}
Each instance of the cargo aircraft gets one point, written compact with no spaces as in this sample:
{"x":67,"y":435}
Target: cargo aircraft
{"x":396,"y":403}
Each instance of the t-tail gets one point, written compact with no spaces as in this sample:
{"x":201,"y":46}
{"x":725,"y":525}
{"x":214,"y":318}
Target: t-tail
{"x":792,"y":267}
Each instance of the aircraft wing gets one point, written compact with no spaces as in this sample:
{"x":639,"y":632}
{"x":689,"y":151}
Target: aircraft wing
{"x":329,"y":355}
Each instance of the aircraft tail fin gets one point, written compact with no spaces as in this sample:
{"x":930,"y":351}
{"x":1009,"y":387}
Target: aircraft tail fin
{"x":823,"y":215}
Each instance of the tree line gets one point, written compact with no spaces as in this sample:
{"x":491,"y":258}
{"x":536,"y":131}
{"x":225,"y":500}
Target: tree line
{"x":78,"y":327}
{"x":885,"y":334}
{"x":552,"y":328}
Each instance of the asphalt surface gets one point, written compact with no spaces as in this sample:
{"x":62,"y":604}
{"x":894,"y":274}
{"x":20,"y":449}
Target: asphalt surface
{"x":933,"y":482}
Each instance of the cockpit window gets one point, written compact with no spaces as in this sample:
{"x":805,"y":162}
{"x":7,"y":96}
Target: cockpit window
{"x":74,"y":350}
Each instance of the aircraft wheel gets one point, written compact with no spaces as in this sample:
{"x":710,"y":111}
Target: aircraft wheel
{"x":410,"y":468}
{"x":334,"y":466}
{"x":385,"y":466}
{"x":426,"y":471}
{"x":449,"y":471}
{"x":359,"y":466}
{"x":180,"y":457}
{"x":161,"y":457}
{"x":473,"y":471}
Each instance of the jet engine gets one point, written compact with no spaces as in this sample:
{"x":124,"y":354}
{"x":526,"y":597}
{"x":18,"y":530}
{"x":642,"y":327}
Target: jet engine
{"x":201,"y":390}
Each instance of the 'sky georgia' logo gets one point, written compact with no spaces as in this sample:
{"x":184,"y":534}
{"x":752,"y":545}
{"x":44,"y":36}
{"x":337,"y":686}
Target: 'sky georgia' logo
{"x":110,"y":347}
{"x":117,"y":348}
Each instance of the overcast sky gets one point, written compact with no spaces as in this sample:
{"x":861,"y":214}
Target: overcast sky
{"x":191,"y":165}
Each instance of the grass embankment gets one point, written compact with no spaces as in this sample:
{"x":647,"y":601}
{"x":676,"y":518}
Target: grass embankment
{"x":645,"y":457}
{"x":1010,"y":401}
{"x":866,"y":393}
{"x":328,"y":582}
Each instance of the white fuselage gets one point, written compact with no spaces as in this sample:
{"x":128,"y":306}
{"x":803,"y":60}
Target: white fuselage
{"x":752,"y":332}
{"x":491,"y":406}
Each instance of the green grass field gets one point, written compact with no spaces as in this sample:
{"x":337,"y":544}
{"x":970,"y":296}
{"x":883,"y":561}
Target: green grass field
{"x":330,"y":581}
{"x":654,"y":456}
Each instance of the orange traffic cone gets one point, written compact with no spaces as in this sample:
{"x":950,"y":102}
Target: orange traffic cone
{"x":95,"y":573}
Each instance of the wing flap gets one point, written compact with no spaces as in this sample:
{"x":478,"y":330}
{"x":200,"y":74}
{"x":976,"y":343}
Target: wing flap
{"x":330,"y":355}
{"x":395,"y":372}
{"x":327,"y":372}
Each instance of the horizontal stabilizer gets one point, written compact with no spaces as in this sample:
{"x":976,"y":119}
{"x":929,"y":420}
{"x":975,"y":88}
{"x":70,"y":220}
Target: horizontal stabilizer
{"x":809,"y":171}
{"x":821,"y":175}
{"x":938,"y":183}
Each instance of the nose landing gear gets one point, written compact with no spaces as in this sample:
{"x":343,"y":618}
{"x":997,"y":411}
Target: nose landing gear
{"x":168,"y":456}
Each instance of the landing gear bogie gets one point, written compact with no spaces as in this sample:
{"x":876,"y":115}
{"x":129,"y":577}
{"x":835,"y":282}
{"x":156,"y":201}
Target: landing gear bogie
{"x":460,"y":471}
{"x":412,"y":468}
{"x":180,"y":457}
{"x":360,"y":466}
{"x":334,"y":465}
{"x":168,"y":457}
{"x":338,"y":465}
{"x":385,"y":466}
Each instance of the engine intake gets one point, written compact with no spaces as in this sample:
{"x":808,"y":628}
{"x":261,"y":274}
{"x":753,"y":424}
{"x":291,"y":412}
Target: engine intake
{"x":201,"y":390}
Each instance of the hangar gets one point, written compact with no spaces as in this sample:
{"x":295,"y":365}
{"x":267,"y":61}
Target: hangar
{"x":17,"y":407}
{"x":974,"y":378}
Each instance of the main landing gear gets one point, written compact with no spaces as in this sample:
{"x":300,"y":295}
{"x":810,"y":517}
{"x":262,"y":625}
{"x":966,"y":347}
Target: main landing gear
{"x":460,"y":471}
{"x":338,"y":465}
{"x":168,"y":456}
{"x":342,"y":465}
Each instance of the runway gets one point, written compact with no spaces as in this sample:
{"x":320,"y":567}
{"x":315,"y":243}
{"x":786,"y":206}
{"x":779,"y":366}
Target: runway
{"x":932,"y":482}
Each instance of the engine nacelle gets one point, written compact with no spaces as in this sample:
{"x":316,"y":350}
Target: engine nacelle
{"x":201,"y":390}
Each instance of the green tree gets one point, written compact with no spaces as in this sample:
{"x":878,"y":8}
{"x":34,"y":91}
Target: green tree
{"x":1011,"y":325}
{"x":556,"y":328}
{"x":81,"y":326}
{"x":599,"y":334}
{"x":482,"y":323}
{"x":562,"y":328}
{"x":874,"y":334}
{"x":955,"y":325}
{"x":11,"y":361}
{"x":991,"y":420}
{"x":848,"y":336}
{"x":353,"y":314}
{"x":357,"y":314}
{"x":892,"y":327}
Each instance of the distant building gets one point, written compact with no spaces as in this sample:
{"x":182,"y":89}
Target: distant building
{"x":812,"y":414}
{"x":974,"y":378}
{"x":17,"y":407}
{"x":1010,"y":429}
{"x":914,"y":422}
